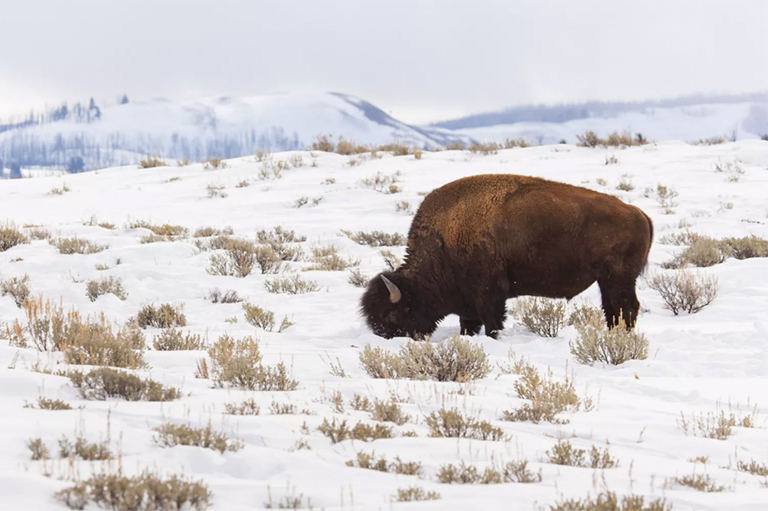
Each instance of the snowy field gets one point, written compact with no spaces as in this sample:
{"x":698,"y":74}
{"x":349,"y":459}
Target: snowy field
{"x":696,"y":361}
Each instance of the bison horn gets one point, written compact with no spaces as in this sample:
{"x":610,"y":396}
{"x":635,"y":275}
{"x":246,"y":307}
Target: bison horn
{"x":394,"y":292}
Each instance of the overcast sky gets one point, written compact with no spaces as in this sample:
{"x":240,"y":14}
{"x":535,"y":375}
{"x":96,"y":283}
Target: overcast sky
{"x":419,"y":60}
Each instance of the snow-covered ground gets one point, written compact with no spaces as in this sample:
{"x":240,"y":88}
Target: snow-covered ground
{"x":719,"y":354}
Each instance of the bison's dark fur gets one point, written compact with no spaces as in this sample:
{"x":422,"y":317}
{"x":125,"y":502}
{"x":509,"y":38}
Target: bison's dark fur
{"x":480,"y":240}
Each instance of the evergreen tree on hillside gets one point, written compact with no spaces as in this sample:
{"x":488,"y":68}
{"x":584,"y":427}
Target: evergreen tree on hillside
{"x":76,"y":164}
{"x":15,"y":170}
{"x":94,"y":112}
{"x":124,"y":99}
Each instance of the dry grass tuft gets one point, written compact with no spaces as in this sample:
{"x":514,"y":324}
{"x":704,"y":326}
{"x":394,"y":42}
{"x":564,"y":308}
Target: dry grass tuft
{"x":684,"y":291}
{"x":699,"y":482}
{"x":17,"y":288}
{"x":171,"y":435}
{"x":216,"y":296}
{"x":151,"y":162}
{"x":10,"y":236}
{"x":718,"y":425}
{"x":328,"y":259}
{"x":453,"y":424}
{"x":294,"y":285}
{"x":512,"y":472}
{"x":596,"y":343}
{"x":43,"y":403}
{"x":564,"y":453}
{"x":454,"y":359}
{"x":48,"y":327}
{"x":542,"y":316}
{"x":214,"y":163}
{"x":102,"y":383}
{"x":237,"y":363}
{"x":753,"y":467}
{"x":172,"y":339}
{"x":163,"y":316}
{"x":388,"y":411}
{"x":103,"y":286}
{"x":381,"y":464}
{"x":283,"y":242}
{"x":240,"y":257}
{"x":484,"y":148}
{"x":338,"y":432}
{"x":382,"y":183}
{"x":264,"y":319}
{"x":77,"y":245}
{"x":590,"y":139}
{"x":144,"y":492}
{"x":414,"y":494}
{"x":357,"y":278}
{"x":608,"y":501}
{"x":247,"y":407}
{"x":209,"y":232}
{"x":547,"y":397}
{"x":376,"y":238}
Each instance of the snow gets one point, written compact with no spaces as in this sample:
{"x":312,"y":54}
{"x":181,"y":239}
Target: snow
{"x":719,"y":354}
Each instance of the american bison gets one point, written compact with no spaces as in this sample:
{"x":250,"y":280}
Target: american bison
{"x":480,"y":240}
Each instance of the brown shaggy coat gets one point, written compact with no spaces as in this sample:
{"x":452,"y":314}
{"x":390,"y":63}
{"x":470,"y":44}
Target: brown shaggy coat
{"x":480,"y":240}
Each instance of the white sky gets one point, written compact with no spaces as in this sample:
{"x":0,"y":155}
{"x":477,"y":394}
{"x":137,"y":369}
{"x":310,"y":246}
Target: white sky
{"x":419,"y":60}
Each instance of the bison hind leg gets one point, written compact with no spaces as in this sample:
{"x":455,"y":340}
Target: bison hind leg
{"x":620,"y":302}
{"x":470,"y":326}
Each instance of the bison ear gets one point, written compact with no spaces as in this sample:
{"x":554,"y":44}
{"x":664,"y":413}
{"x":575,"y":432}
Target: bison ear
{"x":394,"y":292}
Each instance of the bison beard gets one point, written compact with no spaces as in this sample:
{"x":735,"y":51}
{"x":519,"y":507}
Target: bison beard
{"x":480,"y":240}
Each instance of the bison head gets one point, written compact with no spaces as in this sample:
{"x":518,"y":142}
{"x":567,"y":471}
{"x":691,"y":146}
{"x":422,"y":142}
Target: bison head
{"x":392,"y":307}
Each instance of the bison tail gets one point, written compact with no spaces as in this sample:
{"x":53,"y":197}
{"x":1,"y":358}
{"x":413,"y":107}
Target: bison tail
{"x":650,"y":241}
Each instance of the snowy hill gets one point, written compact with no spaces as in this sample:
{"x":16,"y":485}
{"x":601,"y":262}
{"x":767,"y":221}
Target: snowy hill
{"x":224,"y":127}
{"x":719,"y":355}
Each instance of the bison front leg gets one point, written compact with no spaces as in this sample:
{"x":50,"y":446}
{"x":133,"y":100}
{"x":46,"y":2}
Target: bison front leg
{"x":470,"y":326}
{"x":493,"y":317}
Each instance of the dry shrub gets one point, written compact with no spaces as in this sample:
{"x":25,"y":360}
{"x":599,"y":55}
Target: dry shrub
{"x":748,"y":247}
{"x":77,"y":245}
{"x":683,"y":290}
{"x":511,"y":472}
{"x":391,"y":260}
{"x":17,"y":288}
{"x":151,"y":162}
{"x":454,"y":359}
{"x":241,"y":256}
{"x":104,"y":382}
{"x":214,"y":163}
{"x":172,"y":339}
{"x":414,"y":494}
{"x":456,"y":145}
{"x":542,"y":316}
{"x":103,"y":286}
{"x":216,"y":296}
{"x":164,"y":232}
{"x":382,"y":183}
{"x":237,"y":363}
{"x":699,"y":482}
{"x":43,"y":403}
{"x":608,"y":501}
{"x":511,"y":143}
{"x":347,"y":147}
{"x":484,"y":148}
{"x":144,"y":492}
{"x":338,"y":432}
{"x":83,"y":341}
{"x":264,"y":319}
{"x":247,"y":407}
{"x":171,"y":435}
{"x":10,"y":236}
{"x":291,"y":285}
{"x":718,"y":425}
{"x":283,"y":243}
{"x":753,"y":467}
{"x":164,"y":316}
{"x":547,"y":397}
{"x":625,"y":184}
{"x":710,"y":141}
{"x":704,"y":251}
{"x":323,"y":143}
{"x":328,"y":259}
{"x":389,"y":411}
{"x":376,"y":238}
{"x":83,"y":449}
{"x":453,"y":424}
{"x":396,"y":148}
{"x":614,"y":346}
{"x":208,"y":232}
{"x":590,"y":139}
{"x":214,"y":190}
{"x":357,"y":278}
{"x":371,"y":462}
{"x":564,"y":453}
{"x":36,"y":233}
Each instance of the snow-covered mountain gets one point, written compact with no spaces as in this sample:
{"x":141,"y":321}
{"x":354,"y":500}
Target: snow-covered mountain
{"x":88,"y":137}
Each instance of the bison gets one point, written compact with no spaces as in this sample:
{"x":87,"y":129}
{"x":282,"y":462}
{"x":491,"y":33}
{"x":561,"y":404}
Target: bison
{"x":480,"y":240}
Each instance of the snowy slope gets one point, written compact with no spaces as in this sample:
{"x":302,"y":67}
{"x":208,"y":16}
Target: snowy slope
{"x":719,"y":354}
{"x":686,"y":123}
